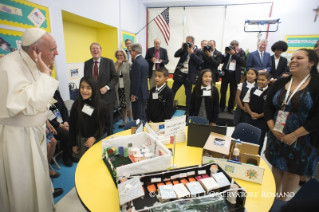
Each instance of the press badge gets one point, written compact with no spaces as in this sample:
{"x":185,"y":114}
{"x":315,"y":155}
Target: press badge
{"x":258,"y":92}
{"x":281,"y":121}
{"x":58,"y":116}
{"x":121,"y":82}
{"x":155,"y":95}
{"x":87,"y":109}
{"x":232,"y":65}
{"x":206,"y":93}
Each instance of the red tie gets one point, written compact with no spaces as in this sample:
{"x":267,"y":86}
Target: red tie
{"x":157,"y":58}
{"x":95,"y":71}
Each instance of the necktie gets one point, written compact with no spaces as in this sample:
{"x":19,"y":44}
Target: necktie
{"x":95,"y":70}
{"x":262,"y":57}
{"x":128,"y":55}
{"x":227,"y":67}
{"x":260,"y":89}
{"x":157,"y":58}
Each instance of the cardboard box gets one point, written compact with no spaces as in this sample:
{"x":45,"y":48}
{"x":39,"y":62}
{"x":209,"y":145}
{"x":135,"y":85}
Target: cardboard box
{"x":159,"y":162}
{"x":242,"y":169}
{"x":145,"y":203}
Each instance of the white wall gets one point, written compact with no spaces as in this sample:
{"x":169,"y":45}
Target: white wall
{"x":297,"y":18}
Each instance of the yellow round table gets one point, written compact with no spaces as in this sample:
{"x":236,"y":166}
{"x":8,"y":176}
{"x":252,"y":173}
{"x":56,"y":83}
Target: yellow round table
{"x":97,"y":191}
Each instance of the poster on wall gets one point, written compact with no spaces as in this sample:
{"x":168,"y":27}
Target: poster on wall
{"x":127,"y":35}
{"x":75,"y":72}
{"x":296,"y":42}
{"x":24,"y":14}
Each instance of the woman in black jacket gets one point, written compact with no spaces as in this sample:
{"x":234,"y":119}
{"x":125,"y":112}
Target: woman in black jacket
{"x":293,"y":150}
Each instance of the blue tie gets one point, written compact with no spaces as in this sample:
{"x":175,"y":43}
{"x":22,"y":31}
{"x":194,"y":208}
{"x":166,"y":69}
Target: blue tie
{"x":262,"y":57}
{"x":128,"y":54}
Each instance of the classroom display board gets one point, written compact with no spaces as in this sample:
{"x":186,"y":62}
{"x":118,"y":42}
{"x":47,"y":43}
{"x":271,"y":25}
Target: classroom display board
{"x":10,"y":41}
{"x":296,"y":42}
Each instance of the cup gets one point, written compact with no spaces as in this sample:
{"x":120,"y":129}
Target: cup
{"x":232,"y":195}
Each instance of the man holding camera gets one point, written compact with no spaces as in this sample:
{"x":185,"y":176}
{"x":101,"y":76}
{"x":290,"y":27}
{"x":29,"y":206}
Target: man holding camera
{"x":233,"y":59}
{"x":185,"y":72}
{"x":212,"y":58}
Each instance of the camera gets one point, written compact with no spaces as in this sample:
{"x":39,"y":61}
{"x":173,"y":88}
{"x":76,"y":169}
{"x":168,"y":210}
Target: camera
{"x":187,"y":45}
{"x":180,"y":66}
{"x":208,"y":48}
{"x":228,"y":48}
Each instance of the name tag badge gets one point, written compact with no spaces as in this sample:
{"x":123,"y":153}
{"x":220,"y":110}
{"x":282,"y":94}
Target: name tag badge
{"x":155,"y":95}
{"x":258,"y":92}
{"x":281,"y":121}
{"x":87,"y":109}
{"x":121,"y":82}
{"x":232,"y":65}
{"x":51,"y":115}
{"x":58,"y":115}
{"x":206,"y":93}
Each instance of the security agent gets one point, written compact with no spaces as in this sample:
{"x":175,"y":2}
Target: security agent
{"x":185,"y":72}
{"x":212,"y":59}
{"x":233,"y":59}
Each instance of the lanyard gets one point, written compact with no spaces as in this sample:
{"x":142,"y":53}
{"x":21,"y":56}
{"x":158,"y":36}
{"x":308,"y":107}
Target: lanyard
{"x":285,"y":102}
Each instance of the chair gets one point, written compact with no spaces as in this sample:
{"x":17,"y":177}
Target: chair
{"x":68,"y":104}
{"x":196,"y":120}
{"x":246,"y":132}
{"x":129,"y":124}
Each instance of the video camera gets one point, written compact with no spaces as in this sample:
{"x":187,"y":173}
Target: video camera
{"x":187,"y":45}
{"x":208,"y":48}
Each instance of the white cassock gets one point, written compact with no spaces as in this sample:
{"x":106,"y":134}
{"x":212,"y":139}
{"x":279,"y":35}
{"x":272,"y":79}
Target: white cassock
{"x":25,"y":92}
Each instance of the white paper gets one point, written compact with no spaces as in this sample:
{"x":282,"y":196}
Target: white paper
{"x":232,"y":65}
{"x":51,"y":115}
{"x":87,"y":109}
{"x":201,"y":171}
{"x":182,"y":175}
{"x":156,"y":180}
{"x":191,"y":173}
{"x":175,"y":125}
{"x":258,"y":92}
{"x":130,"y":190}
{"x":155,"y":95}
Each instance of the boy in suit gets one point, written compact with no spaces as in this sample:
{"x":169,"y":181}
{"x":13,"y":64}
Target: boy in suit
{"x":160,"y":101}
{"x":254,"y":104}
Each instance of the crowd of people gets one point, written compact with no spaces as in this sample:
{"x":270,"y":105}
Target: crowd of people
{"x":279,"y":98}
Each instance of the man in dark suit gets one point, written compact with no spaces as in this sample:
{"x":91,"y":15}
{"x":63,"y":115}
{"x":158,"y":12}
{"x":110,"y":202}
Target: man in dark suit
{"x":278,"y":63}
{"x":138,"y":87}
{"x":259,"y":59}
{"x":232,"y":60}
{"x":190,"y":59}
{"x":212,"y":59}
{"x":104,"y":71}
{"x":157,"y":58}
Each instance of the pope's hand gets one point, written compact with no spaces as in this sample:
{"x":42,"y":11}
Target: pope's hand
{"x":40,"y":64}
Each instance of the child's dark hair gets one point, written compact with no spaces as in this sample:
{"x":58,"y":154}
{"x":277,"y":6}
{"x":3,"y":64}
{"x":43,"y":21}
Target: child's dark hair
{"x":164,"y":71}
{"x":288,"y":73}
{"x":255,"y":70}
{"x":199,"y":83}
{"x":96,"y":102}
{"x":265,"y":74}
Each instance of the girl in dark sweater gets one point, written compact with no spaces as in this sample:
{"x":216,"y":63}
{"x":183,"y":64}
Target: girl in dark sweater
{"x":88,"y":118}
{"x":205,"y":98}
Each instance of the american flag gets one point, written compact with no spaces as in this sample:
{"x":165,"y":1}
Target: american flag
{"x":162,"y":21}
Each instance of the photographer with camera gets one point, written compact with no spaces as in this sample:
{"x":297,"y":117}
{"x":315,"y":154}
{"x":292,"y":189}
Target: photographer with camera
{"x":233,"y":59}
{"x":185,"y":72}
{"x":212,"y":58}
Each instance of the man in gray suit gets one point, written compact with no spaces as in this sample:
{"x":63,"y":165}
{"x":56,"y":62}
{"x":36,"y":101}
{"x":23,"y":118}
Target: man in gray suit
{"x":104,"y":71}
{"x":139,"y":85}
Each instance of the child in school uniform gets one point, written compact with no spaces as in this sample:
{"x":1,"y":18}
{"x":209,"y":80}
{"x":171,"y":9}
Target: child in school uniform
{"x":160,"y":101}
{"x":241,"y":92}
{"x":89,"y":120}
{"x":254,"y":104}
{"x":205,"y":98}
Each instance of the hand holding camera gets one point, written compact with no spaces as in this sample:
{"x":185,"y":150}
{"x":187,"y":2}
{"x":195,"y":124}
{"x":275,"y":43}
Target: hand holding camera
{"x":208,"y":49}
{"x":230,"y":50}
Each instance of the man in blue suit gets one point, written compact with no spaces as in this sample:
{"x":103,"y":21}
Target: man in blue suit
{"x":259,"y":59}
{"x":139,"y":86}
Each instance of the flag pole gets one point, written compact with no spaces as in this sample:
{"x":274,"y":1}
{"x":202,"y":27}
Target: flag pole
{"x":149,"y":22}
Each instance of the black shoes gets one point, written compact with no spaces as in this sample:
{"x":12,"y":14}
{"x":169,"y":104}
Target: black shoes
{"x":56,"y":175}
{"x":67,"y":161}
{"x":221,"y":110}
{"x":231,"y":112}
{"x":75,"y":159}
{"x":57,"y":192}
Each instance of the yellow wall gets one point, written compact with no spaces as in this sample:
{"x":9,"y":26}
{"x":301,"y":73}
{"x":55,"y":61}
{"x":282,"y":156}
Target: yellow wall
{"x":77,"y":39}
{"x":108,"y":39}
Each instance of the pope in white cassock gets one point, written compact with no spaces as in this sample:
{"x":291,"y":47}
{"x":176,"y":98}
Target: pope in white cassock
{"x":26,"y":89}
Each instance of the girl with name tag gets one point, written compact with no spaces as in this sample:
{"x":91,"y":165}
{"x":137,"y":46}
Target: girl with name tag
{"x":254,"y":103}
{"x":89,"y":118}
{"x":241,"y":92}
{"x":292,"y":114}
{"x":205,"y":98}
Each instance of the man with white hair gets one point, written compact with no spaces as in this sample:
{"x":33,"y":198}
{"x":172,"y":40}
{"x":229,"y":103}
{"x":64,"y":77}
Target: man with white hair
{"x":26,"y":91}
{"x":259,"y":59}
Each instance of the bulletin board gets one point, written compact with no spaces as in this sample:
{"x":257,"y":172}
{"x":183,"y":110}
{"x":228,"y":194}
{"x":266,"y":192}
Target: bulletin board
{"x":24,"y":14}
{"x":127,"y":35}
